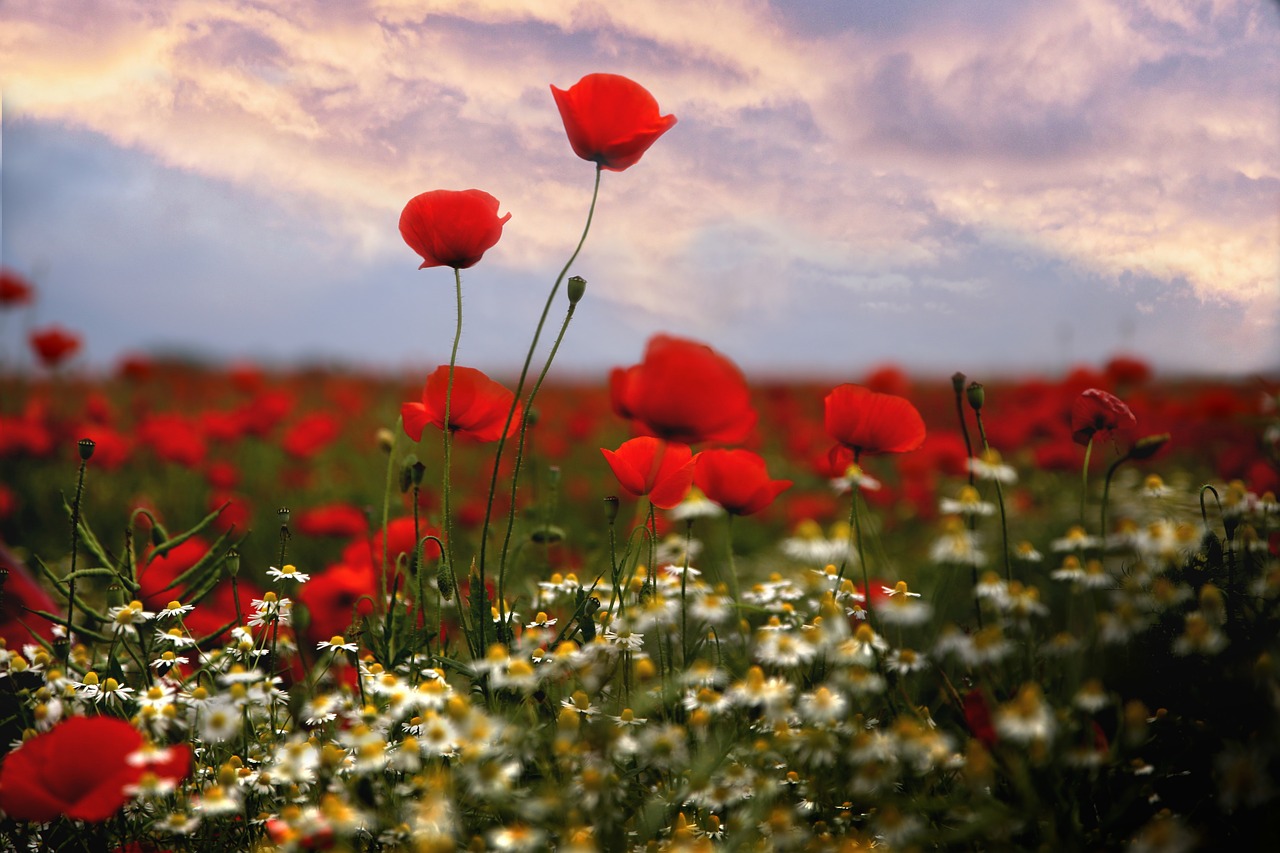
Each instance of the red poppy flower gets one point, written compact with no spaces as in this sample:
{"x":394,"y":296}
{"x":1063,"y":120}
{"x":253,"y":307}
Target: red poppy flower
{"x":54,"y":345}
{"x":312,"y":433}
{"x":611,"y":120}
{"x":80,"y":769}
{"x":478,"y":409}
{"x":451,"y":228}
{"x":684,"y":391}
{"x":20,"y":592}
{"x":1098,"y":412}
{"x":331,"y":595}
{"x":737,"y":480}
{"x":331,"y":520}
{"x":977,"y":715}
{"x":866,"y":421}
{"x":653,"y":467}
{"x":14,"y":289}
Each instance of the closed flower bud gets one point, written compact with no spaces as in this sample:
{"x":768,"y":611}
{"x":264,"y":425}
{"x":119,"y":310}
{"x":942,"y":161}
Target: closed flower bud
{"x":976,"y":395}
{"x":86,"y":446}
{"x":1148,"y":446}
{"x":385,"y":439}
{"x":575,"y":288}
{"x":444,"y":584}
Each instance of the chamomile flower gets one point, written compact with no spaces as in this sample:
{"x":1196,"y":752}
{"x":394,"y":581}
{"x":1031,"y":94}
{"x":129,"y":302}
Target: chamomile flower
{"x":1076,"y":539}
{"x":903,"y":606}
{"x":967,"y":503}
{"x":541,"y":621}
{"x":288,"y":572}
{"x":855,"y":476}
{"x":905,"y":661}
{"x":957,"y":545}
{"x":1027,"y":718}
{"x":126,"y":618}
{"x":174,"y":610}
{"x":695,"y":505}
{"x":271,"y":608}
{"x":176,"y":637}
{"x":337,"y":643}
{"x":989,"y":466}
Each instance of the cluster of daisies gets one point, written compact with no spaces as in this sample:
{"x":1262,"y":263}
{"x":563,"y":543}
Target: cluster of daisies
{"x":817,"y":710}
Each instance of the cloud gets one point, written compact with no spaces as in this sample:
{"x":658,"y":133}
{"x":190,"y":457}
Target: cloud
{"x":844,"y":148}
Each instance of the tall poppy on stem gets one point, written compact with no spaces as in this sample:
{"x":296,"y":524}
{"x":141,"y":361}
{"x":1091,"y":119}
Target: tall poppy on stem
{"x":1097,"y":413}
{"x":739,"y":481}
{"x":867,"y":421}
{"x":684,"y":391}
{"x":54,"y":345}
{"x":611,"y":120}
{"x":451,"y":228}
{"x":653,"y":467}
{"x":478,"y":409}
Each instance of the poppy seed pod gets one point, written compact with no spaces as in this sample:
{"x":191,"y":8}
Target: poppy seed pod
{"x":86,"y":447}
{"x":976,"y":395}
{"x":576,"y":287}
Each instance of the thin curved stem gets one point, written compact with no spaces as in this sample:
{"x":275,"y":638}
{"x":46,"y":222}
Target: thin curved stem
{"x":515,"y":472}
{"x":524,"y":373}
{"x":1084,"y":478}
{"x":447,"y":494}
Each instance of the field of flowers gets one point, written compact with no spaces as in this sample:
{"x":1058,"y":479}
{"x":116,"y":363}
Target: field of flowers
{"x":674,"y":609}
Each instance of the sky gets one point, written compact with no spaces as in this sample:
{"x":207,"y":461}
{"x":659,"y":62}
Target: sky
{"x":988,"y":186}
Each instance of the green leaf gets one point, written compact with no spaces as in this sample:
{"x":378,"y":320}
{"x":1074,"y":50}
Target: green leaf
{"x":173,"y":542}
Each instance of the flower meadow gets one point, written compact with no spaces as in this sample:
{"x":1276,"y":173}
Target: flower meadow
{"x":673,"y":610}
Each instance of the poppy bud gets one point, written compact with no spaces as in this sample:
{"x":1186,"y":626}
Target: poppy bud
{"x":158,"y":534}
{"x":232,"y":562}
{"x":444,"y":584}
{"x":576,"y":287}
{"x":418,"y":472}
{"x":957,"y":381}
{"x":86,"y":446}
{"x":976,"y":395}
{"x":1148,"y":446}
{"x":385,"y":439}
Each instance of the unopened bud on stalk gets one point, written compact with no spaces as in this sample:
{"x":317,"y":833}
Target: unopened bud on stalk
{"x":232,"y":562}
{"x":158,"y":534}
{"x":444,"y":584}
{"x":957,"y":381}
{"x":419,"y":471}
{"x":1148,"y":446}
{"x":576,"y":287}
{"x":385,"y":439}
{"x":406,"y":472}
{"x":86,"y":446}
{"x":977,"y":396}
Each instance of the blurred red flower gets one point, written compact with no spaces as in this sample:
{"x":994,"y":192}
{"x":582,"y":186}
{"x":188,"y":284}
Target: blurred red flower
{"x":451,"y":228}
{"x":1097,"y":412}
{"x":173,"y":438}
{"x":611,"y":120}
{"x":866,"y":421}
{"x":684,"y":391}
{"x":653,"y":467}
{"x":332,"y":596}
{"x":20,"y":592}
{"x":312,"y":433}
{"x":478,"y":409}
{"x":54,"y":345}
{"x":737,"y":480}
{"x":331,"y":520}
{"x":80,"y":768}
{"x":14,"y":289}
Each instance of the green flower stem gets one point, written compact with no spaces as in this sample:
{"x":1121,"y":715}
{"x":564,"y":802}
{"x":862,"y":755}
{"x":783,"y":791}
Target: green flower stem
{"x":515,"y":472}
{"x":862,"y":560}
{"x":476,"y":644}
{"x":1106,"y":495}
{"x":75,"y":540}
{"x":524,"y":373}
{"x":386,"y":499}
{"x":1084,"y":478}
{"x":1004,"y":521}
{"x":684,"y":598}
